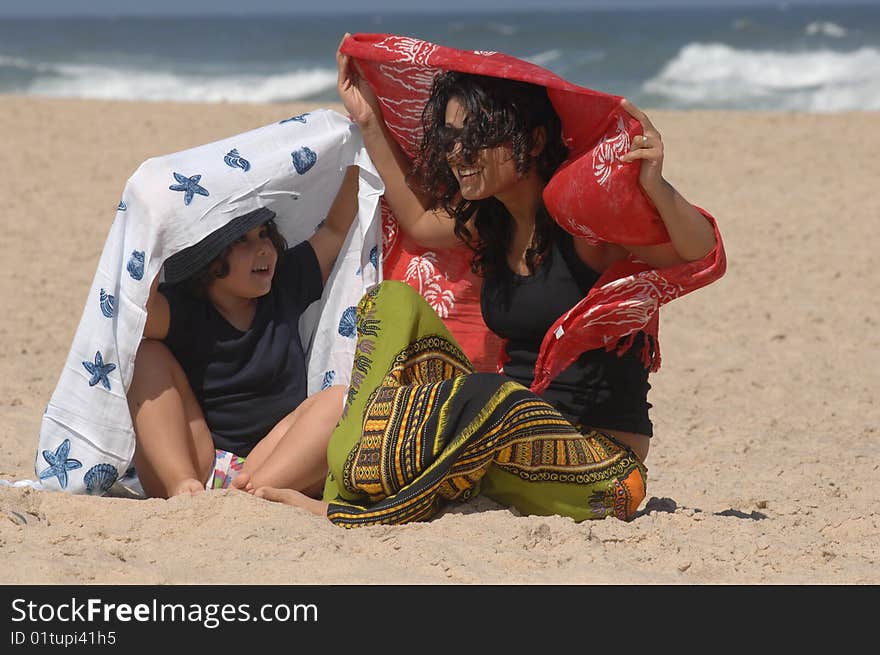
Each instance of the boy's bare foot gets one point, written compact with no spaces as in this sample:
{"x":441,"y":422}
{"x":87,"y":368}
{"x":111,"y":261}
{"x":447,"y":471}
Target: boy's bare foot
{"x":189,"y":486}
{"x":292,"y":498}
{"x":242,"y":482}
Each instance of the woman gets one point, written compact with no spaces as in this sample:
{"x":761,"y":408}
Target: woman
{"x":489,"y":148}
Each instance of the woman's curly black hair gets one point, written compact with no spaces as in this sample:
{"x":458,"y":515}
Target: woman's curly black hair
{"x":499,"y":112}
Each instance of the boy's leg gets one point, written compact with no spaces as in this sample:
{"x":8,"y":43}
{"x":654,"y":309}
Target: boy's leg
{"x":175,"y":451}
{"x":295,"y":456}
{"x":261,"y":452}
{"x":293,"y":498}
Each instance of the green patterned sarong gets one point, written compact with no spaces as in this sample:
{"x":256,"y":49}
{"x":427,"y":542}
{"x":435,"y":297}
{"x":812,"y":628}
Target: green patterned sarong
{"x":421,"y":428}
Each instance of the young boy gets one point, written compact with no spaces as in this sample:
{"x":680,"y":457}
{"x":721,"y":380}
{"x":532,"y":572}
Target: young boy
{"x":221,"y":374}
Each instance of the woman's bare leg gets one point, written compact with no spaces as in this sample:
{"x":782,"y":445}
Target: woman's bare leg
{"x":175,"y":451}
{"x":294,"y":454}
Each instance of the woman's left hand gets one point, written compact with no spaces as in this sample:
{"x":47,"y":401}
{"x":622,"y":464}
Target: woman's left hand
{"x":648,"y":146}
{"x":691,"y":236}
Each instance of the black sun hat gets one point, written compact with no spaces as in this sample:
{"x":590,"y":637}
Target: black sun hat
{"x":190,"y":261}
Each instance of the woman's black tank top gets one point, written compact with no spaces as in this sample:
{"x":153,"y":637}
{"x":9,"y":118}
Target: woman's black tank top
{"x":599,"y":389}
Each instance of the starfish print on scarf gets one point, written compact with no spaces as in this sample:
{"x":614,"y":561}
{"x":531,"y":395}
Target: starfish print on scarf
{"x":189,"y":185}
{"x":59,"y":463}
{"x":99,"y":371}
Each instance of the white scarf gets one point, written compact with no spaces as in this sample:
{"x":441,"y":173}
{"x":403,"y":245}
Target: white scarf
{"x":293,"y":167}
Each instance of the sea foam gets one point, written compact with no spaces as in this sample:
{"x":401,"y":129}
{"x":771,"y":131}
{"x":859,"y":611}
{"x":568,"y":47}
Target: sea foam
{"x":707,"y":75}
{"x":113,"y":83}
{"x":826,"y":28}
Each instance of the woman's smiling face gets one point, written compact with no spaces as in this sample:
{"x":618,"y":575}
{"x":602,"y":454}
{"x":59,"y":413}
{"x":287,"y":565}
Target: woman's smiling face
{"x":493,"y":169}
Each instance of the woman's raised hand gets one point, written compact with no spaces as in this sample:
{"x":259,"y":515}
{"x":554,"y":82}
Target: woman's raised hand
{"x":354,"y":91}
{"x":648,"y":147}
{"x":691,"y":236}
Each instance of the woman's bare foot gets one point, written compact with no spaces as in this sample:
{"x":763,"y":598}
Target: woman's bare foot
{"x":242,"y":482}
{"x":189,"y":486}
{"x":292,"y":498}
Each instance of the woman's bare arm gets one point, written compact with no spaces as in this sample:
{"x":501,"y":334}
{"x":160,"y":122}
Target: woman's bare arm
{"x":432,"y":228}
{"x":691,"y":235}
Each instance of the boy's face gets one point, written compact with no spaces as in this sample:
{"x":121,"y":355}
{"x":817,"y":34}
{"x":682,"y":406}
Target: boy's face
{"x":251,"y":260}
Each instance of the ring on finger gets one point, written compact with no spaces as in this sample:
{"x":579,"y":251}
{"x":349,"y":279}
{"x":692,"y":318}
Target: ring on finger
{"x":644,"y":141}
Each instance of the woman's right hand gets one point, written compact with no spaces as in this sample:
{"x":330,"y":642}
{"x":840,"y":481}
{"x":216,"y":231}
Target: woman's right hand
{"x":429,"y":228}
{"x":354,"y":91}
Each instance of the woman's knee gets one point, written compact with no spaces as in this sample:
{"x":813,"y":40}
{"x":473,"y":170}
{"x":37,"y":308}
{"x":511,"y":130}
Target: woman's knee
{"x":496,"y":379}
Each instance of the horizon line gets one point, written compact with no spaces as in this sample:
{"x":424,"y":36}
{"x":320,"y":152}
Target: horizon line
{"x":781,"y":5}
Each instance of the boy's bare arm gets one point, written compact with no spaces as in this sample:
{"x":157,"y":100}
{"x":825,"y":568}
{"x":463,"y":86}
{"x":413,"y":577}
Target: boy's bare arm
{"x":328,"y":239}
{"x":158,"y":313}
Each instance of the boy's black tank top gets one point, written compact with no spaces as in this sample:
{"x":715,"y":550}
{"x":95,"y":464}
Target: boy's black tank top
{"x":600,"y":389}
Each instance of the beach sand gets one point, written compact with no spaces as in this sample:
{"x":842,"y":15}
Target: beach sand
{"x":764,"y":463}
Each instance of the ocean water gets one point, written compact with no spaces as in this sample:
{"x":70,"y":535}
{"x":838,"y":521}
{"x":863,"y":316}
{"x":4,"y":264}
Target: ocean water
{"x":808,"y":58}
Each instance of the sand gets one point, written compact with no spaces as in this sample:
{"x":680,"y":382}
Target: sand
{"x":763,"y":467}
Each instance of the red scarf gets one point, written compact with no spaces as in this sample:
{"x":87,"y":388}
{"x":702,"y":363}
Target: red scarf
{"x":593,"y":196}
